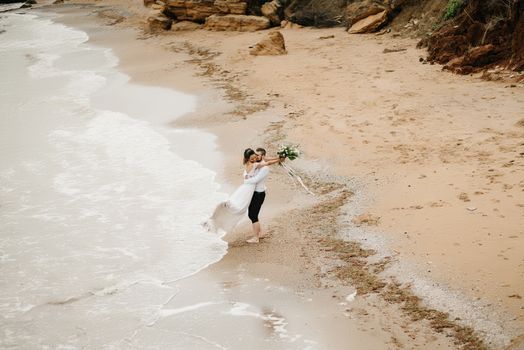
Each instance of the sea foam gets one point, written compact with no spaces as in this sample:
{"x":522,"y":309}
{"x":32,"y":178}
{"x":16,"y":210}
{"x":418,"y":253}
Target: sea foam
{"x":93,"y":198}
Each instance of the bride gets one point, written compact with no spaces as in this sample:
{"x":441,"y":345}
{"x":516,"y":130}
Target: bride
{"x":227,"y":214}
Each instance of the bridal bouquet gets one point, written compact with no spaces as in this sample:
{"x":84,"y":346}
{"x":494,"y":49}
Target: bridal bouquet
{"x":290,"y":152}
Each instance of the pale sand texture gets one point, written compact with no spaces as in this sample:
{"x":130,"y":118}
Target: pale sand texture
{"x":439,"y":156}
{"x":418,"y":138}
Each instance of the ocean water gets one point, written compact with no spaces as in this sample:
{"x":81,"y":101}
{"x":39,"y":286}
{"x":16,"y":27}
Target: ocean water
{"x":100,"y":211}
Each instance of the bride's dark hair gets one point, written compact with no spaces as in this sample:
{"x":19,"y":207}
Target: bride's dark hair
{"x":247,"y":154}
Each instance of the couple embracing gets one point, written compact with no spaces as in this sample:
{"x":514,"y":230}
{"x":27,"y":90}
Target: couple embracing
{"x":249,"y":197}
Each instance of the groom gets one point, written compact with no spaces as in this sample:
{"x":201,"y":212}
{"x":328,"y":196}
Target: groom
{"x":259,"y":179}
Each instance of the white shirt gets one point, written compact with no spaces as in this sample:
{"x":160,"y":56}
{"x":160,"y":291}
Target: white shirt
{"x":259,"y":179}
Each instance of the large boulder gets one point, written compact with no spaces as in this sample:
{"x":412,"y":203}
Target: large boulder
{"x":191,"y":10}
{"x":369,"y":24}
{"x":273,"y":44}
{"x":360,"y":10}
{"x":234,"y":7}
{"x":158,"y":22}
{"x":241,"y":23}
{"x":274,"y":11}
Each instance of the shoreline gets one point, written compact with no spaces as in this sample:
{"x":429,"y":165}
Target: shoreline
{"x":216,"y":278}
{"x":249,"y":124}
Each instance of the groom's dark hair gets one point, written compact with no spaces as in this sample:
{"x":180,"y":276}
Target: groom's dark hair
{"x":261,"y":150}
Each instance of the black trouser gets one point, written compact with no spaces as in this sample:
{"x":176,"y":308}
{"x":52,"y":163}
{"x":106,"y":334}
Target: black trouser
{"x":255,"y":205}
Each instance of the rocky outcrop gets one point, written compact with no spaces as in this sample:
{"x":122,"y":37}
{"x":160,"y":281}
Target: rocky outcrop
{"x":323,"y":13}
{"x":191,"y":10}
{"x":369,"y":24}
{"x":199,"y":10}
{"x":273,"y":44}
{"x":158,"y":22}
{"x":274,"y":11}
{"x":241,"y":23}
{"x":463,"y":44}
{"x":234,"y":7}
{"x":317,"y":13}
{"x":360,"y":10}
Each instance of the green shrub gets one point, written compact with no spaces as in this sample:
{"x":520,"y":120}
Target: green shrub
{"x":453,"y":8}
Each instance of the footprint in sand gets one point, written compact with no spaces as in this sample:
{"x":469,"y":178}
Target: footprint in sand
{"x":438,"y":204}
{"x":464,"y":197}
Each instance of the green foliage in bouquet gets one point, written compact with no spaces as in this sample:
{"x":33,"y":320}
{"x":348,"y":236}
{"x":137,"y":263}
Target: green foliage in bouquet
{"x":290,"y":152}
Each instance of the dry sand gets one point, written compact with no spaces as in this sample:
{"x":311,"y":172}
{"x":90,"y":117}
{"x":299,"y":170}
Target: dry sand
{"x":438,"y":158}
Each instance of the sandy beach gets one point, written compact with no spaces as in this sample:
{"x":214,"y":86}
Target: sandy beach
{"x":415,"y":236}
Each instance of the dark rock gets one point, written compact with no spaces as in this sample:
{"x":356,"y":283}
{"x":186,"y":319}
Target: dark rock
{"x":394,"y":4}
{"x":254,"y":6}
{"x":317,"y":13}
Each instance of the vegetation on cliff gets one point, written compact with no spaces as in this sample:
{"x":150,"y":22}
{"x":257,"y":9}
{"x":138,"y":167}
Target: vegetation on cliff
{"x":485,"y":33}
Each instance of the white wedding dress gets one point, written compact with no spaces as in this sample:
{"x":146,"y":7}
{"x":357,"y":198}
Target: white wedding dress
{"x":229,"y":213}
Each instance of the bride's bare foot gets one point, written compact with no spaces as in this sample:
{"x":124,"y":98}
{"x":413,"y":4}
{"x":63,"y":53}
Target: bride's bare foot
{"x":263,"y":235}
{"x":253,"y":240}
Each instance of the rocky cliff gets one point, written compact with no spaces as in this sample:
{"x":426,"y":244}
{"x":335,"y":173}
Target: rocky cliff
{"x":464,"y":35}
{"x":485,"y":33}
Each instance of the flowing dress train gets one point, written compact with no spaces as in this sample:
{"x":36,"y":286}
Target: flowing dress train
{"x":229,"y":213}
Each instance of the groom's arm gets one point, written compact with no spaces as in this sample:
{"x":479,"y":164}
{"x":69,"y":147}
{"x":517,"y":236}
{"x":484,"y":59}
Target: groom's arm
{"x":261,"y":175}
